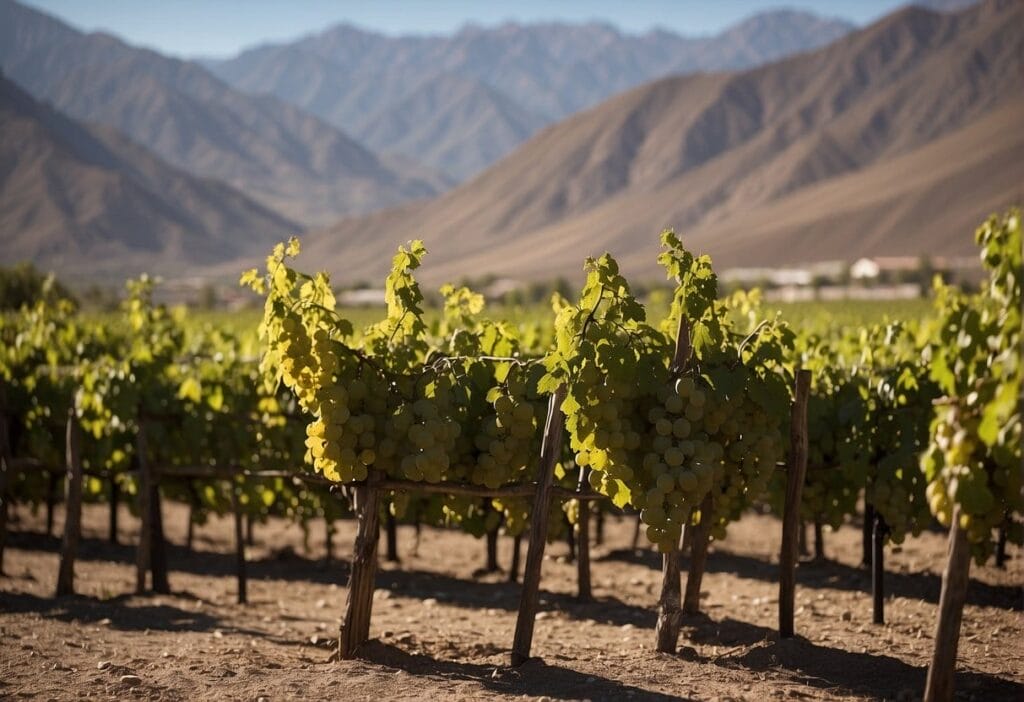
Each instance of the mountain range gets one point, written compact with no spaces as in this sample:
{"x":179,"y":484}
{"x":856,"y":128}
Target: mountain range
{"x":277,"y":154}
{"x":896,"y":139}
{"x":84,"y":200}
{"x":459,"y":103}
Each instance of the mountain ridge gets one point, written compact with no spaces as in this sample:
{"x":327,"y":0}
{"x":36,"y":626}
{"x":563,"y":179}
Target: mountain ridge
{"x":695,"y":150}
{"x":350,"y":77}
{"x":86,"y":200}
{"x":286,"y":159}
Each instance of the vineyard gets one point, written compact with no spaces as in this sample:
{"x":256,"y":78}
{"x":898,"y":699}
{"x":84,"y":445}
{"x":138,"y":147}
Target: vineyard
{"x":702,"y":500}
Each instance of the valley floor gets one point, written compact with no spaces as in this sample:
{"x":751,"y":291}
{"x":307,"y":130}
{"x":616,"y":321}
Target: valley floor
{"x":441,"y":633}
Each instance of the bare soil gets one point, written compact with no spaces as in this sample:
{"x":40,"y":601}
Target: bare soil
{"x":442,"y":631}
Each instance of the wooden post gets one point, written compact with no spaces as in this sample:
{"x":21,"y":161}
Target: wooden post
{"x":513,"y":569}
{"x":52,"y":479}
{"x":329,"y":538}
{"x":698,"y":556}
{"x":157,"y":543}
{"x":666,"y":630}
{"x":145,"y":496}
{"x":355,"y":630}
{"x":236,"y":509}
{"x":939,"y":685}
{"x":392,"y":536}
{"x":570,"y":538}
{"x":599,"y":531}
{"x":551,"y":449}
{"x":796,"y":470}
{"x":584,"y":592}
{"x":878,"y":570}
{"x":637,"y":528}
{"x":1001,"y":545}
{"x":73,"y":508}
{"x":819,"y":540}
{"x":867,"y":529}
{"x":491,"y":537}
{"x":115,"y":491}
{"x":801,"y":542}
{"x":6,"y":470}
{"x":249,"y":538}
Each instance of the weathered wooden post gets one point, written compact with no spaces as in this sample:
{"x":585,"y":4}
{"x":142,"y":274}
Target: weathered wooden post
{"x":73,"y":507}
{"x":939,"y":685}
{"x":392,"y":536}
{"x":878,"y":570}
{"x":355,"y":630}
{"x":698,"y":556}
{"x":513,"y":569}
{"x":666,"y":630}
{"x":143,"y":553}
{"x":115,"y":492}
{"x":551,"y":449}
{"x":584,"y":593}
{"x":6,"y":470}
{"x":240,"y":571}
{"x":796,"y":471}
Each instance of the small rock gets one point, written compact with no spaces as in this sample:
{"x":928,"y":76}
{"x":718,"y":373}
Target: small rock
{"x":846,"y":616}
{"x":430,"y":602}
{"x":103,"y":665}
{"x":131,"y":679}
{"x":218,"y":634}
{"x":320,"y":604}
{"x":404,"y":638}
{"x":543,"y":615}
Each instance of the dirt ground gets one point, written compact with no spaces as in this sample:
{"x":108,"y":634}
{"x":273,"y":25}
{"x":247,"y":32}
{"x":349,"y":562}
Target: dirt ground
{"x":441,"y":633}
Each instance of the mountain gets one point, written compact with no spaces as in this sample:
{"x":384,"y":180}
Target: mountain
{"x":88,"y":202}
{"x":896,"y":139}
{"x":501,"y":83}
{"x":269,"y":149}
{"x":459,"y":124}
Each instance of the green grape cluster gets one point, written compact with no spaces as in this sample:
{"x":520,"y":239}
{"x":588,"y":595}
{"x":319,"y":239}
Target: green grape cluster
{"x":973,"y":461}
{"x":506,"y":438}
{"x":663,"y":439}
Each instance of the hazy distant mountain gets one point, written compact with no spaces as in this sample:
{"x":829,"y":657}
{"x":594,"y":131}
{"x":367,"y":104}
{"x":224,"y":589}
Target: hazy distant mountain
{"x":267,"y":148}
{"x":88,"y":202}
{"x":500,"y":84}
{"x":897,"y":139}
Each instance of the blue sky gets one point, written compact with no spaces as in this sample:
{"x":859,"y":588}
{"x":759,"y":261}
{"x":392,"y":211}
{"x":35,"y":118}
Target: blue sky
{"x":222,"y":27}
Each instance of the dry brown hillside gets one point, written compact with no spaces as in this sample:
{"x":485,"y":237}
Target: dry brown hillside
{"x":895,"y":139}
{"x":87,"y":201}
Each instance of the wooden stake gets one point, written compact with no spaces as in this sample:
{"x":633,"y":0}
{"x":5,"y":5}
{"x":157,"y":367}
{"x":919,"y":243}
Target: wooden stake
{"x":73,"y":508}
{"x":392,"y":536}
{"x":115,"y":491}
{"x":51,"y":499}
{"x":819,"y":540}
{"x":698,"y":556}
{"x":513,"y":569}
{"x":143,"y":553}
{"x":796,"y":470}
{"x":878,"y":570}
{"x":666,"y":630}
{"x":1001,"y":544}
{"x":355,"y":631}
{"x":6,"y":470}
{"x":584,"y":593}
{"x":867,"y":529}
{"x":329,"y":539}
{"x":599,"y":531}
{"x":157,"y":542}
{"x":551,"y":449}
{"x":240,"y":568}
{"x":939,"y":685}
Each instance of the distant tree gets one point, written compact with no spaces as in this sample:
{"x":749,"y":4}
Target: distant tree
{"x":22,"y":284}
